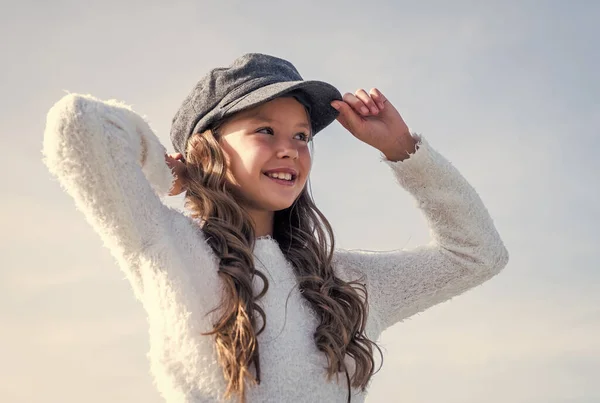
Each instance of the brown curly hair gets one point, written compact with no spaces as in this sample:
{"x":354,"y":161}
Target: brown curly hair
{"x":306,"y":239}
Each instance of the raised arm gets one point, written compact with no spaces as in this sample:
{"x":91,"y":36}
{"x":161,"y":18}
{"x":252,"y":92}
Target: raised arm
{"x":113,"y":165}
{"x":466,"y":249}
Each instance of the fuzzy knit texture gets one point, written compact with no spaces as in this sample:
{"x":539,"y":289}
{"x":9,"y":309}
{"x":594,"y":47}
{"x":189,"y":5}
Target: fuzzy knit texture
{"x":109,"y":160}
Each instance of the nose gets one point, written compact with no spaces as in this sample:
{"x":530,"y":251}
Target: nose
{"x":287,"y":150}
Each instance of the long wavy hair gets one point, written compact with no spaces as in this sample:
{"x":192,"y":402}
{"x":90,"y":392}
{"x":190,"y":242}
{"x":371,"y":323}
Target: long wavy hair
{"x":306,"y":239}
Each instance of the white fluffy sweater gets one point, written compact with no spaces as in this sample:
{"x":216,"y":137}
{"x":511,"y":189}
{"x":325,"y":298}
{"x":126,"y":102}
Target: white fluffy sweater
{"x":110,"y":161}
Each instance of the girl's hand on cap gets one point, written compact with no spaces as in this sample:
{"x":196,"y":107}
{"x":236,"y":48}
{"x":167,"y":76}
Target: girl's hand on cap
{"x":178,"y":168}
{"x":371,"y":118}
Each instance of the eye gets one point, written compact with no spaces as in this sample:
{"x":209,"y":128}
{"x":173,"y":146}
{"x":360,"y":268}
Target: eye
{"x":303,"y":137}
{"x":266,"y":130}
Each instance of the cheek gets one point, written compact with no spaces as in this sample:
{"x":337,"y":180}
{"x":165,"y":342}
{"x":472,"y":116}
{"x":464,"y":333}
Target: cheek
{"x":235,"y":165}
{"x":305,"y":159}
{"x":249,"y":163}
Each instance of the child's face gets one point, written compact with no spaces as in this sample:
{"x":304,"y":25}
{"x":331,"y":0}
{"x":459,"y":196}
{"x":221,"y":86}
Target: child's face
{"x":264,"y":143}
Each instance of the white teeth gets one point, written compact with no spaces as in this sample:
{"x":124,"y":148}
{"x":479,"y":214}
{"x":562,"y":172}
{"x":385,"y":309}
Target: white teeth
{"x":281,"y":175}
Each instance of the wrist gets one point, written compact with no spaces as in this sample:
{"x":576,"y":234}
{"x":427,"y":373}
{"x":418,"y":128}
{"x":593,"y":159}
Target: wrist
{"x":401,"y":149}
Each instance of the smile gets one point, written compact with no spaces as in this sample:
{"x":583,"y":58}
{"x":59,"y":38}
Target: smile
{"x":282,"y":178}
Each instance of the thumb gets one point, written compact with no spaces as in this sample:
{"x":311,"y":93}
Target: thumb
{"x":347,"y":117}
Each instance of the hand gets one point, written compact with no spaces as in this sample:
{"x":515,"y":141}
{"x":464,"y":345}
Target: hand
{"x":175,"y":162}
{"x":372,"y":119}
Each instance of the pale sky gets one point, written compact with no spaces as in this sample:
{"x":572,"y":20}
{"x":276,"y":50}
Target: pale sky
{"x":509,"y":91}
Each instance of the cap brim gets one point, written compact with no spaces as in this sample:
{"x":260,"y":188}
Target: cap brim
{"x":319,"y":95}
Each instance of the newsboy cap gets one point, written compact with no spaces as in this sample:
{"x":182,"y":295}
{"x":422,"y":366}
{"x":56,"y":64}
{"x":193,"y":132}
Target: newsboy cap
{"x":252,"y":79}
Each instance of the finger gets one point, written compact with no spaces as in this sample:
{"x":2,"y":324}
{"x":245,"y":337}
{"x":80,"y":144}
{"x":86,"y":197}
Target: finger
{"x":378,"y":97}
{"x":175,"y":162}
{"x":348,"y":116}
{"x":176,"y":156}
{"x":356,"y":104}
{"x":366,"y":99}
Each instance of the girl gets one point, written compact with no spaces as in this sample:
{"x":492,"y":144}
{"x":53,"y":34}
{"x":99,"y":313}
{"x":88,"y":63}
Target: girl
{"x":247,"y":298}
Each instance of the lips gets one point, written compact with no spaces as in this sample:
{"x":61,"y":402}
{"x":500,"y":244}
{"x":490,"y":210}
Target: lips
{"x":282,"y":176}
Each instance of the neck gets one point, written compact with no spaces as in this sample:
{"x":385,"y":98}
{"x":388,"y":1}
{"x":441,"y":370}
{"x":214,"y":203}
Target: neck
{"x":263,"y":222}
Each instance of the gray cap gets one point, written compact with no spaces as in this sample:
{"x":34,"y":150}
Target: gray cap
{"x":251,"y":80}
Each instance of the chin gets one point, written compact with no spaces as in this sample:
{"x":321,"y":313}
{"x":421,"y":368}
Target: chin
{"x":280,"y":205}
{"x":278,"y":202}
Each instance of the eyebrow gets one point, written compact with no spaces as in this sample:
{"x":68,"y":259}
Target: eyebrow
{"x":259,"y":116}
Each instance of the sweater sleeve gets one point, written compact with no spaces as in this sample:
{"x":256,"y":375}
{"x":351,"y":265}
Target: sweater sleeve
{"x":110,"y":161}
{"x":465,"y":250}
